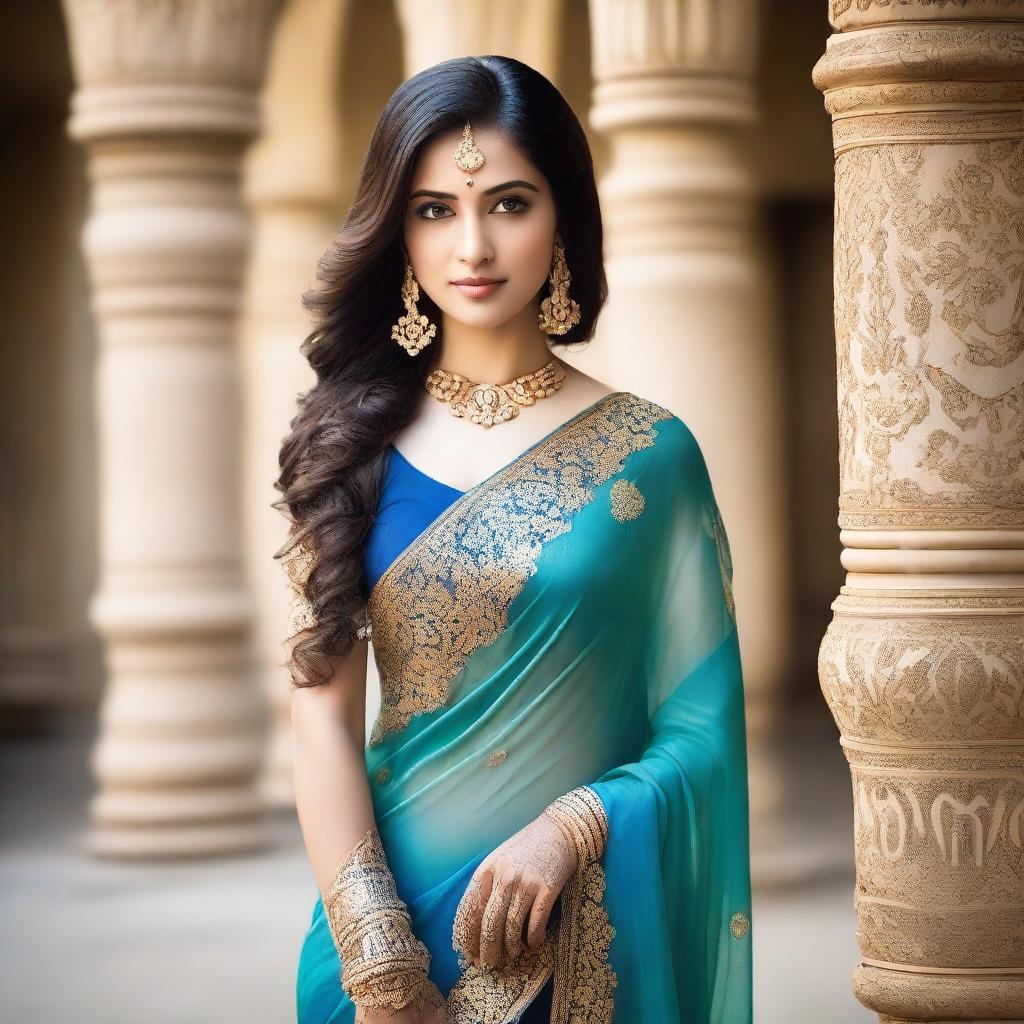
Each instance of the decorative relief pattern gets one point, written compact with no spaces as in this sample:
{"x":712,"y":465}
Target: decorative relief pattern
{"x":903,"y":94}
{"x":923,"y":52}
{"x":926,"y":679}
{"x":627,"y":500}
{"x":929,"y":271}
{"x":932,"y":126}
{"x":940,"y":860}
{"x":449,"y":592}
{"x":883,"y":10}
{"x":986,"y":997}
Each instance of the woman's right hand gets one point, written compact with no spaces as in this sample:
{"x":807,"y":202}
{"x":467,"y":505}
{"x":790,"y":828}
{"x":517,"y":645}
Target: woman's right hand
{"x":430,"y":1008}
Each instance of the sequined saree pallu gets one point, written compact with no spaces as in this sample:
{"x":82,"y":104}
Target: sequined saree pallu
{"x":569,"y":621}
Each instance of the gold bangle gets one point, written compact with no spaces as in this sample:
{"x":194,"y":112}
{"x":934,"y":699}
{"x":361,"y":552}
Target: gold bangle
{"x":582,"y":817}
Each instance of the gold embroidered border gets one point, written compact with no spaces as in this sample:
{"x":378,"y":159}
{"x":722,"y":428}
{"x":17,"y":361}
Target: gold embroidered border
{"x":450,"y":591}
{"x":498,"y":996}
{"x":575,"y":952}
{"x":584,"y":979}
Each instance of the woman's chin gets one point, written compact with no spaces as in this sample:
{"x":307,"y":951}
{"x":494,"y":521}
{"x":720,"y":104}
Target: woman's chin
{"x":480,"y":317}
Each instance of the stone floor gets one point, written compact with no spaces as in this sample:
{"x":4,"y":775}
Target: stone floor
{"x":120,"y":943}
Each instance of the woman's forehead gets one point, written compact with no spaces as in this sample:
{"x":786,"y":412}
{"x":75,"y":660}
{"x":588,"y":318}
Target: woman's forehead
{"x":436,"y":167}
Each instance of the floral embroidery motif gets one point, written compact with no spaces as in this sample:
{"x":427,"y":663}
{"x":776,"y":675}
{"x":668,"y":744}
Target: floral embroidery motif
{"x":449,"y":592}
{"x":383,"y":775}
{"x":496,"y":758}
{"x":627,"y":501}
{"x":739,"y":924}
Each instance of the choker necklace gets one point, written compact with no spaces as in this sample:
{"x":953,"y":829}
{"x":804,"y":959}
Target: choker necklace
{"x":488,"y":404}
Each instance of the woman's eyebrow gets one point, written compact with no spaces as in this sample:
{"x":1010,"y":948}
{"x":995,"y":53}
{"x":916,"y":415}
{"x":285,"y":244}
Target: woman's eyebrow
{"x":517,"y":183}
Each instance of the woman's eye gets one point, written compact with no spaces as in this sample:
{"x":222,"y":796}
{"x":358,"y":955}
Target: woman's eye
{"x":512,"y":199}
{"x":422,"y":211}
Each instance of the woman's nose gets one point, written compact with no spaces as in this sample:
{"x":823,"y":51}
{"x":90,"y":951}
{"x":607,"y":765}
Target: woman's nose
{"x":474,"y":246}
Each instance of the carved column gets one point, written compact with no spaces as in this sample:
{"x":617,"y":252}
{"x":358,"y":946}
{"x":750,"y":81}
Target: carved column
{"x":436,"y":30}
{"x":923,"y":663}
{"x":166,"y":104}
{"x":689,"y":320}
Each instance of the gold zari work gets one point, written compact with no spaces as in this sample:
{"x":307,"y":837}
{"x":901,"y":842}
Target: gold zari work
{"x":627,"y":500}
{"x":496,"y":758}
{"x":449,"y":592}
{"x":575,"y":950}
{"x":739,"y":924}
{"x":383,"y":963}
{"x":297,"y":566}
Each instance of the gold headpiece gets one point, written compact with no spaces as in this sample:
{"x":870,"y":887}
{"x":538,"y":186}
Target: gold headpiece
{"x":468,"y":157}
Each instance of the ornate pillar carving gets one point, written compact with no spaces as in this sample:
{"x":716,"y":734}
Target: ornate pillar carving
{"x":689,"y":319}
{"x":923,"y":663}
{"x":165,"y":105}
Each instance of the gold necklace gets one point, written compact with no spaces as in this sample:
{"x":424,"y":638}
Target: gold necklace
{"x":488,"y":404}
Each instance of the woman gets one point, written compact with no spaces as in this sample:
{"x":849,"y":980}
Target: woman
{"x":549,"y":821}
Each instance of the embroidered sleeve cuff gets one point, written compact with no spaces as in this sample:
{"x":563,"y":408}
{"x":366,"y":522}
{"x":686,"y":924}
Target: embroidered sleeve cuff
{"x":383,"y":963}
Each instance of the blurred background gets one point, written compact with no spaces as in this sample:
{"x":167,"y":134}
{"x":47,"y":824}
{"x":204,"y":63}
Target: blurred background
{"x":172,"y":171}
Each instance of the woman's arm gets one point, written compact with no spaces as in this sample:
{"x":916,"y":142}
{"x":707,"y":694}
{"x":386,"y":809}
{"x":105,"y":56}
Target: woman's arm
{"x":384,"y":965}
{"x":332,"y":795}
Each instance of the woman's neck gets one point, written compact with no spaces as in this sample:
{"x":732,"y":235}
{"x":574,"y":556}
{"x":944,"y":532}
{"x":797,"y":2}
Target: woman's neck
{"x":494,"y":355}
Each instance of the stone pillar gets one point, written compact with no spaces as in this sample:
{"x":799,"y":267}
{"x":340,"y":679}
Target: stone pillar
{"x":923,"y":663}
{"x":689,"y":320}
{"x":436,"y":30}
{"x":166,"y":104}
{"x":293,"y":185}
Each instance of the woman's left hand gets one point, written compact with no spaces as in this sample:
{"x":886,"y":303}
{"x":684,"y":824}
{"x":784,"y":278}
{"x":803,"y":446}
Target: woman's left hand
{"x":514,"y":886}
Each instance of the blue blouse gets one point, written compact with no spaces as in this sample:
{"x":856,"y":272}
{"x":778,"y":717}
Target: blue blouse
{"x":410,"y":501}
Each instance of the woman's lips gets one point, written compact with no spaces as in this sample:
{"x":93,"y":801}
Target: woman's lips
{"x":478,"y":291}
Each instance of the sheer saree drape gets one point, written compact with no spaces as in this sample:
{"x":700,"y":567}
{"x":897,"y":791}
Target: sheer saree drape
{"x":569,"y":621}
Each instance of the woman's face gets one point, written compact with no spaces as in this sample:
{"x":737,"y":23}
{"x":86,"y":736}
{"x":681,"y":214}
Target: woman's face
{"x":501,"y":227}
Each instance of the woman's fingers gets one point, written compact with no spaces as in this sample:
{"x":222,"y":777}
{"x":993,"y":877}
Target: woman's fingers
{"x":540,"y":913}
{"x":469,"y":915}
{"x":518,"y":909}
{"x":492,"y":928}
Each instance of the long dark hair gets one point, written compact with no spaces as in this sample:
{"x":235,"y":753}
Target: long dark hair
{"x":367,"y":387}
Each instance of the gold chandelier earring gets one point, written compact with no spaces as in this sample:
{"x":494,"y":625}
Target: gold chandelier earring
{"x":558,"y":313}
{"x":413,"y":331}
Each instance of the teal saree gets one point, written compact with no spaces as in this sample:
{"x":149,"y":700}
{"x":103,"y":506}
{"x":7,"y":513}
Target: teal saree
{"x":569,"y":621}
